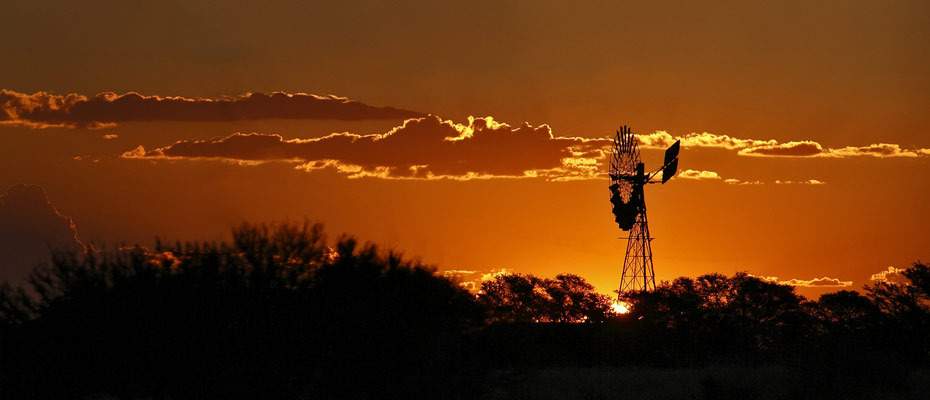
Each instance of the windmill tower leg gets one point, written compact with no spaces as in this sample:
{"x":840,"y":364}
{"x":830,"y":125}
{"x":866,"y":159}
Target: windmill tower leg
{"x":638,"y":272}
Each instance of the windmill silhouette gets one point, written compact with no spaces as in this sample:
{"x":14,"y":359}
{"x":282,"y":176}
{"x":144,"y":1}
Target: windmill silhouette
{"x":627,"y":178}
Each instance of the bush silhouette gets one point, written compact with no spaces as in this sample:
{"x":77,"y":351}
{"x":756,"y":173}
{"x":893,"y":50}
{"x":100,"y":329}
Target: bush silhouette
{"x":278,"y":314}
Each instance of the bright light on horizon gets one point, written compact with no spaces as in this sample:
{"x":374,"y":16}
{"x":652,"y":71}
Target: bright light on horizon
{"x":621,"y":307}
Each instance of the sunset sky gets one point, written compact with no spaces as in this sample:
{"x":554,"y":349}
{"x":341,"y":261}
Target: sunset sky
{"x":472,"y":135}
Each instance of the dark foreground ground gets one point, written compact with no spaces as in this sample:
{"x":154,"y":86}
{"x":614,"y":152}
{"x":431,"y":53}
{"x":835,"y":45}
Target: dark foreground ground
{"x":713,"y":382}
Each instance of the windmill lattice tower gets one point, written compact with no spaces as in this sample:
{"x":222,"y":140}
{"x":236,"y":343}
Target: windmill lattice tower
{"x":627,"y":178}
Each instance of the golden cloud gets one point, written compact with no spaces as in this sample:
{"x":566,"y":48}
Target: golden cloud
{"x":662,"y":140}
{"x":890,"y":275}
{"x":773,"y":148}
{"x":698,"y":175}
{"x":471,"y":280}
{"x":816,"y":282}
{"x":734,"y":181}
{"x":807,"y":182}
{"x":713,"y":176}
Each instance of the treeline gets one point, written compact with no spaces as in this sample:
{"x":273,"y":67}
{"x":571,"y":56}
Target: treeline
{"x":844,"y":345}
{"x":282,"y":313}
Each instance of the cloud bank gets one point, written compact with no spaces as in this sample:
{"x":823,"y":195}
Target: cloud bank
{"x":428,"y":147}
{"x":421,"y":148}
{"x":424,"y":148}
{"x":42,"y":110}
{"x":30,"y":227}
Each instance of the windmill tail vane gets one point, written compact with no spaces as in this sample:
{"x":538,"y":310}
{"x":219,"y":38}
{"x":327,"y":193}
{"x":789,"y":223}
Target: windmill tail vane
{"x":627,"y":179}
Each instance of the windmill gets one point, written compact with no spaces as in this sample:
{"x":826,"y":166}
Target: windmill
{"x":627,"y":178}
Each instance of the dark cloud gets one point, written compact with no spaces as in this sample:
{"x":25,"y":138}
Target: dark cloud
{"x":30,"y":227}
{"x":422,"y":148}
{"x":790,"y":149}
{"x":43,"y":109}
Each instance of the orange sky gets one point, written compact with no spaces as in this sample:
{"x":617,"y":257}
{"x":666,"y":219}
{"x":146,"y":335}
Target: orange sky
{"x":835,"y":92}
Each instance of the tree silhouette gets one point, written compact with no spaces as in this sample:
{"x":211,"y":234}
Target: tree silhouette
{"x":572,"y":299}
{"x":845,"y":312}
{"x":527,"y":298}
{"x":513,"y":297}
{"x":740,"y":317}
{"x":911,"y":298}
{"x":905,"y":307}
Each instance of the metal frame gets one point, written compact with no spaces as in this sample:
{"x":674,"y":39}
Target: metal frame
{"x":638,"y":271}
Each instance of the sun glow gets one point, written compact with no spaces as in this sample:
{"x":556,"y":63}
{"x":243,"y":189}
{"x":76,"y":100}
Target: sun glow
{"x":620,"y":307}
